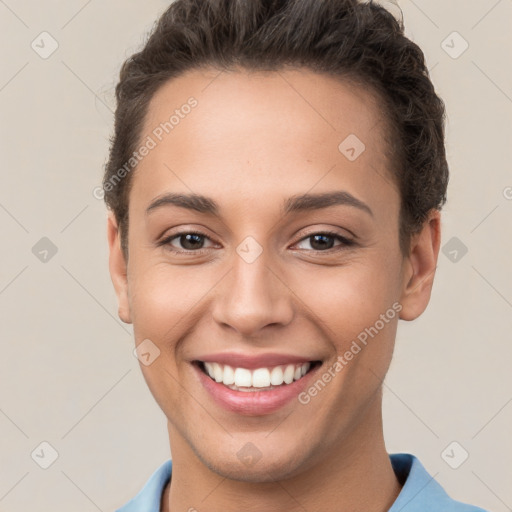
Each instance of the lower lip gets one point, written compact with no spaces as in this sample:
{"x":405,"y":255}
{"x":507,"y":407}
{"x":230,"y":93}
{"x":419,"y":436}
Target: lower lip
{"x":254,"y":403}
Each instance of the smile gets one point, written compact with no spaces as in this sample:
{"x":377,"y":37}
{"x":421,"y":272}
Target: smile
{"x":260,"y":379}
{"x":258,"y":390}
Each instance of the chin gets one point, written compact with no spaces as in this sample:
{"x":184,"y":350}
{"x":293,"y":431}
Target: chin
{"x":253,"y":466}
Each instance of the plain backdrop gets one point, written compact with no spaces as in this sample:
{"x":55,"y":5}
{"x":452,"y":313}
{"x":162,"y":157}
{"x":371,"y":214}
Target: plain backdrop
{"x":68,"y":374}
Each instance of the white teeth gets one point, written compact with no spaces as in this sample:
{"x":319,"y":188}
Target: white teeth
{"x":209,"y":368}
{"x":259,"y":378}
{"x":218,"y":373}
{"x":288,"y":374}
{"x":276,"y":376}
{"x":229,"y":375}
{"x":243,"y":377}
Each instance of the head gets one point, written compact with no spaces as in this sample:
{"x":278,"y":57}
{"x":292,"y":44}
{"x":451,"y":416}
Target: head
{"x":303,"y":142}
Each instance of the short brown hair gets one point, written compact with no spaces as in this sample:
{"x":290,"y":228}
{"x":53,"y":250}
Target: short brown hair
{"x":360,"y":42}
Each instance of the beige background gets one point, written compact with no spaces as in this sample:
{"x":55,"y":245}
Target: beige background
{"x":67,"y":370}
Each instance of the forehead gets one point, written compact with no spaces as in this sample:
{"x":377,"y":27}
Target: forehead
{"x":263,"y":132}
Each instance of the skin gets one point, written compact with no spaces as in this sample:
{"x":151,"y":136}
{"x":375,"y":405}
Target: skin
{"x":253,"y":141}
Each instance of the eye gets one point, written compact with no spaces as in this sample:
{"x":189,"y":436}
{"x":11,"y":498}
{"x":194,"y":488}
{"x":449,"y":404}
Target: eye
{"x":324,"y":241}
{"x":189,"y":241}
{"x":193,"y":242}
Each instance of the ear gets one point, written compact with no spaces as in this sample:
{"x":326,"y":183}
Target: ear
{"x":419,"y":268}
{"x":117,"y":268}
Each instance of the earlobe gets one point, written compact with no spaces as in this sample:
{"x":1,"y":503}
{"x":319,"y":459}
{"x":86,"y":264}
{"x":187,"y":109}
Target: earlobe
{"x":419,"y":268}
{"x":118,"y":269}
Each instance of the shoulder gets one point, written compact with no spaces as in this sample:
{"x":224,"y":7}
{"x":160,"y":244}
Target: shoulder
{"x":421,"y":492}
{"x":149,"y":497}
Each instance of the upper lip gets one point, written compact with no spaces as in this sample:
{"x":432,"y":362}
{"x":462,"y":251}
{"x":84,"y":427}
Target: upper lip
{"x":252,"y":362}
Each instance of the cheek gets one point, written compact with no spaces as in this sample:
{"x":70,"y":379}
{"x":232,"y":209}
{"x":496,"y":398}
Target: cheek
{"x":350,"y":298}
{"x":161,"y":295}
{"x":166,"y":305}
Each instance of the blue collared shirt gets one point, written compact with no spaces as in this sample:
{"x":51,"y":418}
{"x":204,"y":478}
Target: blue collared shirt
{"x":420,"y":492}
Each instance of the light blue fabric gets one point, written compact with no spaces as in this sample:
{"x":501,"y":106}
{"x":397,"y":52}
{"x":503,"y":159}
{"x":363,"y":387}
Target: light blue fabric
{"x":420,"y":493}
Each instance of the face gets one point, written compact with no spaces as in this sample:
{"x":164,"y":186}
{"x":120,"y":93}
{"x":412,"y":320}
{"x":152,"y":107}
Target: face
{"x":263,"y":246}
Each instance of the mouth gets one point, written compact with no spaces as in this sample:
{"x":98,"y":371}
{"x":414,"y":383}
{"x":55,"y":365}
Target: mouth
{"x":254,"y":384}
{"x":262,"y":379}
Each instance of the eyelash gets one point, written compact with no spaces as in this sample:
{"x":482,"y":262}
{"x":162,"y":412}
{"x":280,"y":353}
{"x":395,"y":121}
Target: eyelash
{"x":346,"y":242}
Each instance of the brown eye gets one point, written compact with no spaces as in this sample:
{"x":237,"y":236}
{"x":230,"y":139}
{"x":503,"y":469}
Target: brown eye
{"x":325,"y":241}
{"x":191,"y":241}
{"x":186,"y":241}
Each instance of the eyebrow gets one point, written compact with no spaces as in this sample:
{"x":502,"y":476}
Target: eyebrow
{"x":297,"y":203}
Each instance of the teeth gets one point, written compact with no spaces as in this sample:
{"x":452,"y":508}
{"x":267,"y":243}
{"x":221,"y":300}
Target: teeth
{"x":218,"y":372}
{"x":229,"y":375}
{"x":289,"y":373}
{"x":243,"y":377}
{"x":276,"y":376}
{"x":209,"y":368}
{"x":259,"y":378}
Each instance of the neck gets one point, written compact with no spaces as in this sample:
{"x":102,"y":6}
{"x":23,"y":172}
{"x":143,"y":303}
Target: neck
{"x":355,"y":474}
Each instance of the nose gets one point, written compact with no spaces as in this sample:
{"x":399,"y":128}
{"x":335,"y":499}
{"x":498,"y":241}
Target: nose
{"x":253,"y":296}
